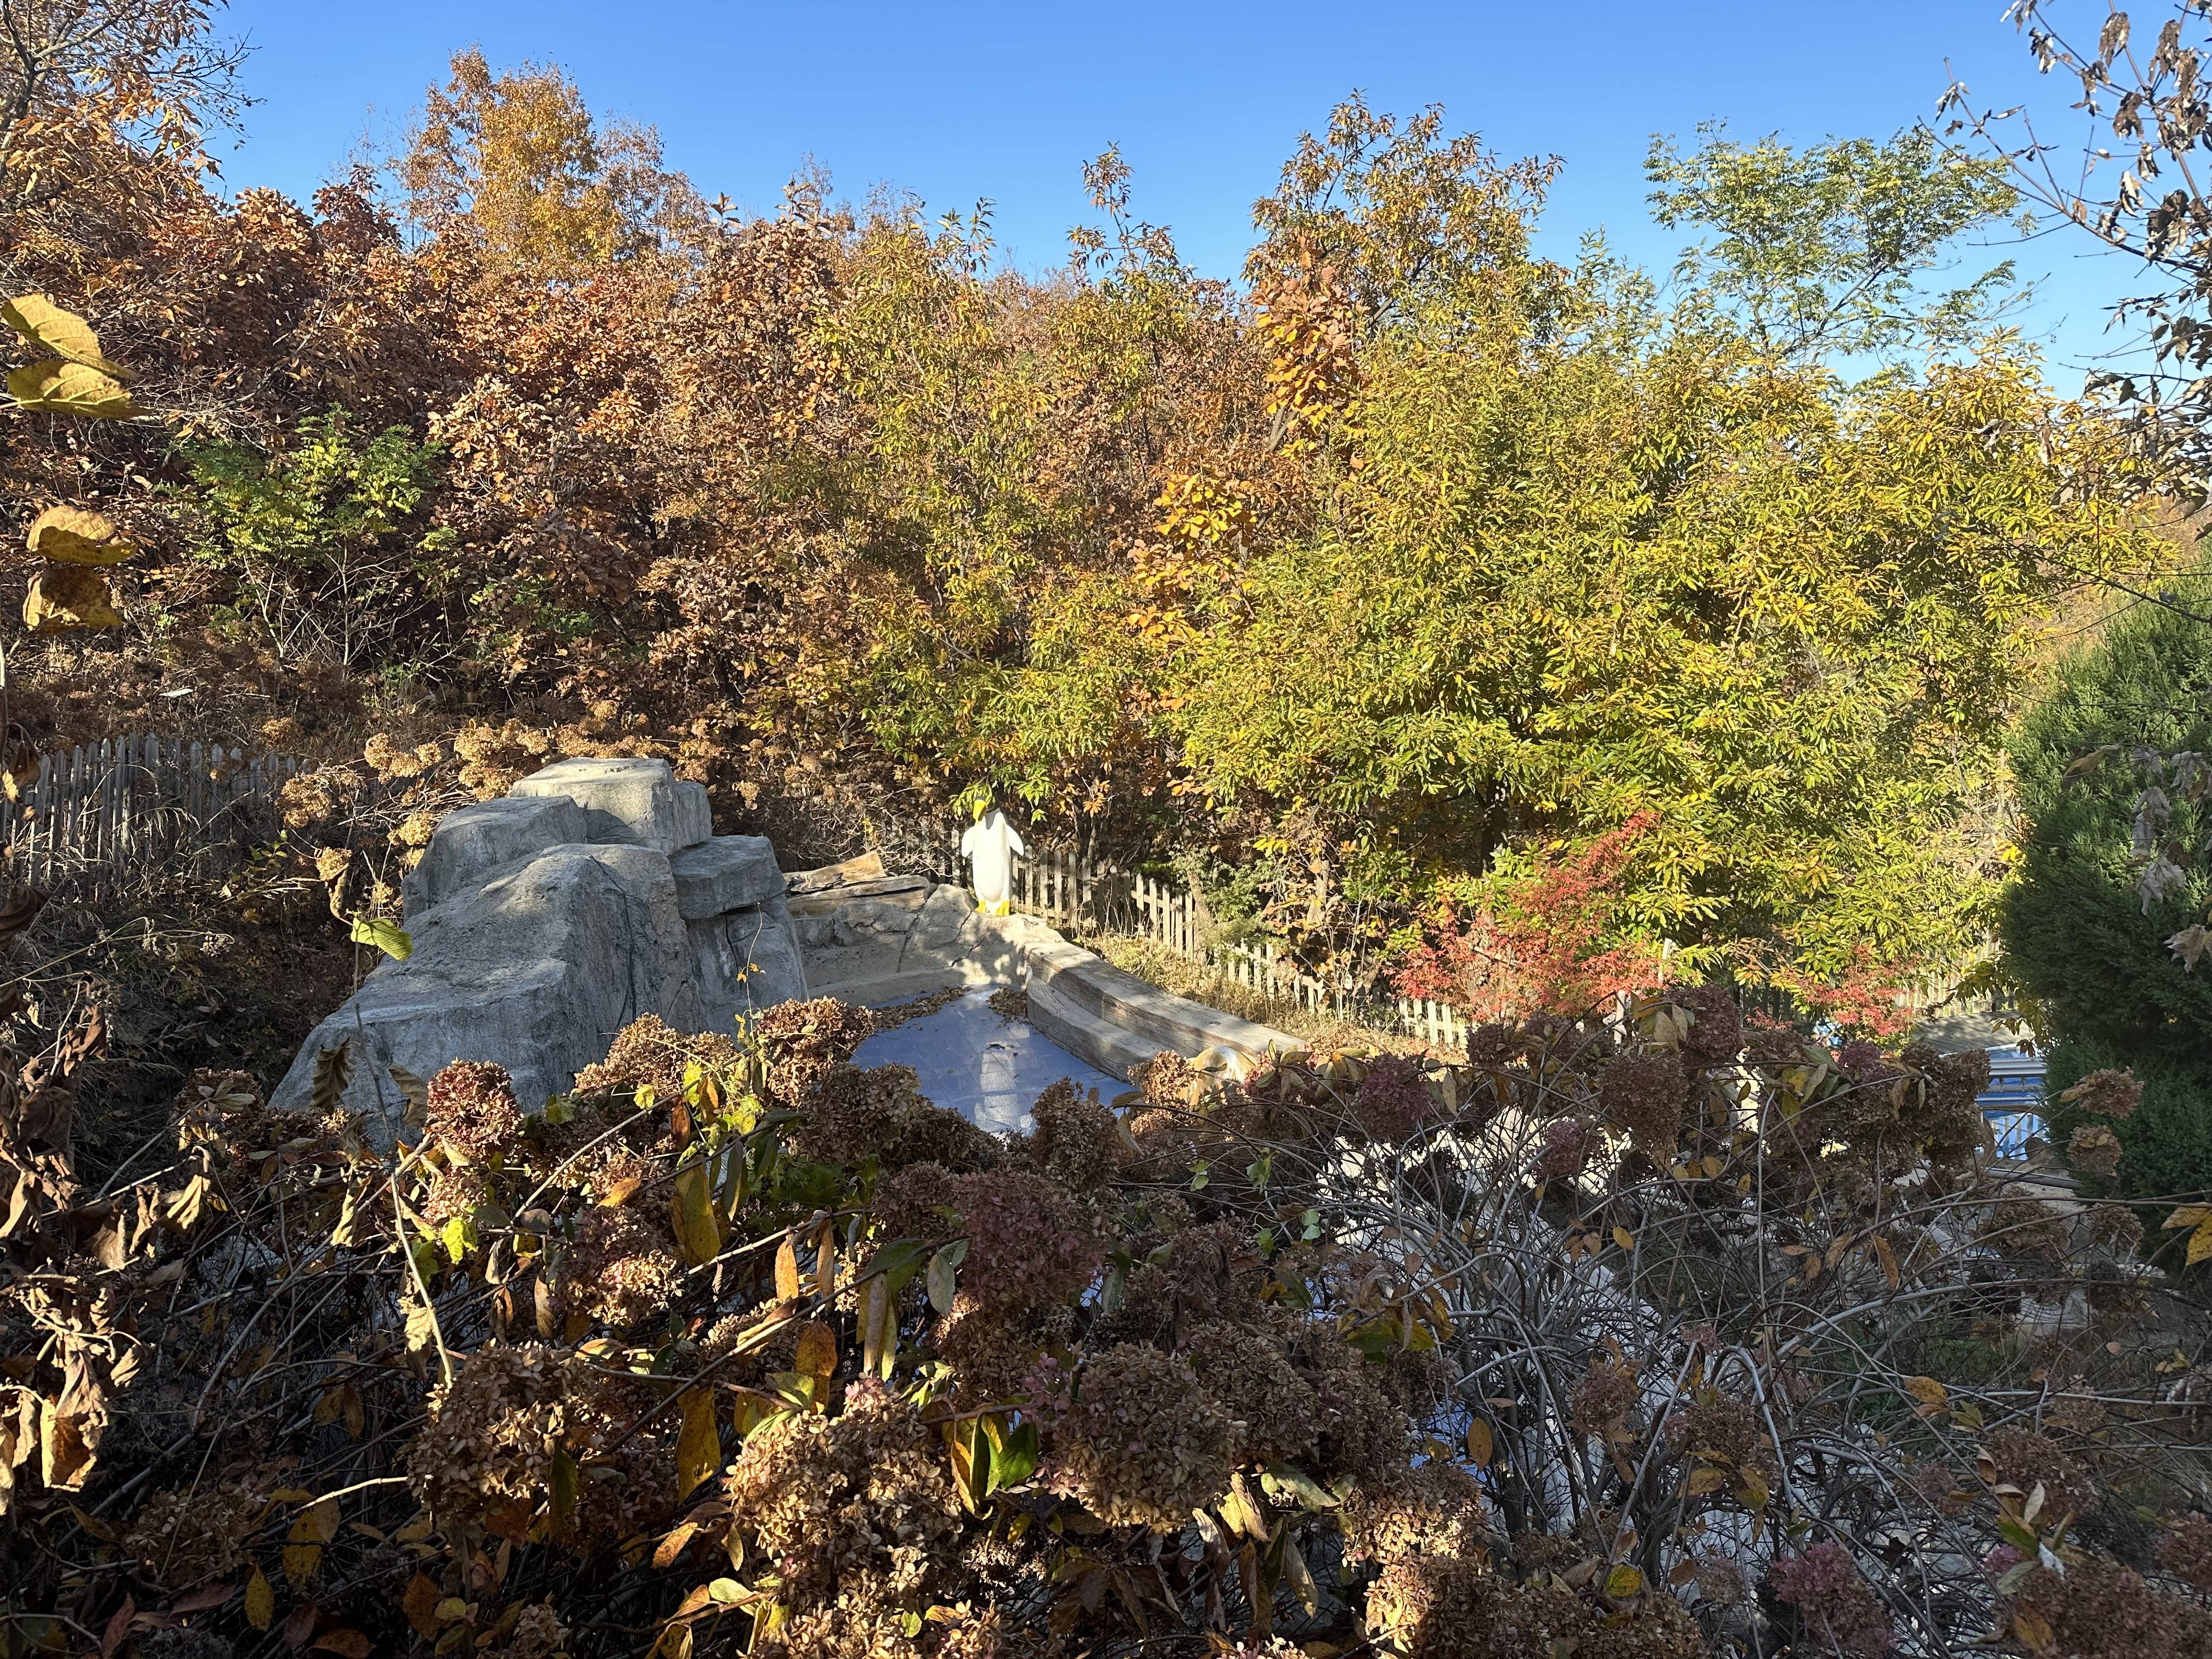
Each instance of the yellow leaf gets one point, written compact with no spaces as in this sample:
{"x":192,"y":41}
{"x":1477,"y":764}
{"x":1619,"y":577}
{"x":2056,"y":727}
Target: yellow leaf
{"x":300,"y":1561}
{"x":1704,"y":1479}
{"x":1623,"y":1580}
{"x":260,"y":1601}
{"x":74,"y":535}
{"x":664,"y":1556}
{"x":817,"y":1351}
{"x":692,"y":1209}
{"x":2200,"y":1242}
{"x":877,"y":1313}
{"x":55,"y":387}
{"x":46,"y":326}
{"x":787,"y":1271}
{"x":699,"y":1443}
{"x":1928,"y":1391}
{"x":825,"y":1264}
{"x":1479,"y":1447}
{"x":317,"y":1524}
{"x":66,"y":597}
{"x":387,"y":936}
{"x":1624,"y":1238}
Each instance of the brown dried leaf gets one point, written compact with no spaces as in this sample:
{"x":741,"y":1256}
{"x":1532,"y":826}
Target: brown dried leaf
{"x":420,"y":1604}
{"x":64,"y":598}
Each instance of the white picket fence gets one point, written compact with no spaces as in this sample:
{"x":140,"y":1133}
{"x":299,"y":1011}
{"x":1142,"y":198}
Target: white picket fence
{"x":1075,"y":894}
{"x":105,"y":810}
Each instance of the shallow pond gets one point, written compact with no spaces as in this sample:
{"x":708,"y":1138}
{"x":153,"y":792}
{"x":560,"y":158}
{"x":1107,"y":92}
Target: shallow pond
{"x":986,"y":1068}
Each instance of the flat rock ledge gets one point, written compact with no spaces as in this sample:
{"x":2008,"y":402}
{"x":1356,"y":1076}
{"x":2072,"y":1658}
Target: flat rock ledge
{"x":593,"y":893}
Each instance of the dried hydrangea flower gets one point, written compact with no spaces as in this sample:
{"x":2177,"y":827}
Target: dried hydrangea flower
{"x":803,"y":1040}
{"x":2027,"y":1459}
{"x":1602,"y":1399}
{"x":862,"y":1502}
{"x":919,"y":1202}
{"x":622,"y":1268}
{"x":1073,"y":1139}
{"x":1394,"y":1098}
{"x":1143,"y":1446}
{"x":2186,"y":1551}
{"x":472,"y":1112}
{"x":1429,"y":1509}
{"x":454,"y":1192}
{"x":1029,"y":1240}
{"x":1245,"y":1370}
{"x":538,"y":1633}
{"x":1568,"y":1145}
{"x":2094,"y":1149}
{"x":2113,"y":1094}
{"x":1838,"y":1605}
{"x":185,"y":1537}
{"x":850,"y":1115}
{"x":487,"y":1451}
{"x":1643,"y":1094}
{"x":649,"y":1054}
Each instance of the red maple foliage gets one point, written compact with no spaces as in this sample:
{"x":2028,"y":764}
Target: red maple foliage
{"x":1552,"y":942}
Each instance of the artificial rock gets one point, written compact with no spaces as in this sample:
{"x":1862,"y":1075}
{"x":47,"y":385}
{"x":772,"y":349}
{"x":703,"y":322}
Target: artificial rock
{"x":543,"y":923}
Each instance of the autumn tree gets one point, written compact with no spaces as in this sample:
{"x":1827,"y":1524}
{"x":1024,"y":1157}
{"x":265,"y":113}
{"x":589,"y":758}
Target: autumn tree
{"x":79,"y":77}
{"x":515,"y":163}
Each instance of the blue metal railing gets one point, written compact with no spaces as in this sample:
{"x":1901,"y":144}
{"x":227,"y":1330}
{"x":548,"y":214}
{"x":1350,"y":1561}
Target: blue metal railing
{"x":2012,"y":1103}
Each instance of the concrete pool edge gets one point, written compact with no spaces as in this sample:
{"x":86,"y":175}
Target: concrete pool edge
{"x":1081,"y":1002}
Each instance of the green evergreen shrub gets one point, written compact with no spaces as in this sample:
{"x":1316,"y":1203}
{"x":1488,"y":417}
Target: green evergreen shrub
{"x":2074,"y":927}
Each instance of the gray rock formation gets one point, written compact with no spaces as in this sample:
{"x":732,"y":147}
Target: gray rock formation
{"x":475,"y":840}
{"x":545,"y":922}
{"x":745,"y":953}
{"x":639,"y":802}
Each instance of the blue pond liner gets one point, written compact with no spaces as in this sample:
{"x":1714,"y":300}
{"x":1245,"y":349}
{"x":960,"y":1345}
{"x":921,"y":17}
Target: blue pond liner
{"x":988,"y":1068}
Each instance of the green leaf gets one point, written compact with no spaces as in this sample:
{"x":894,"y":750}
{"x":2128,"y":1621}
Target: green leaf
{"x":1014,"y":1457}
{"x":387,"y":936}
{"x":566,"y":1482}
{"x":457,"y":1236}
{"x":897,"y":1261}
{"x":942,"y":1286}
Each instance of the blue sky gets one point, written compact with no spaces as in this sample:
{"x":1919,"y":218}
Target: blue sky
{"x":957,"y":102}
